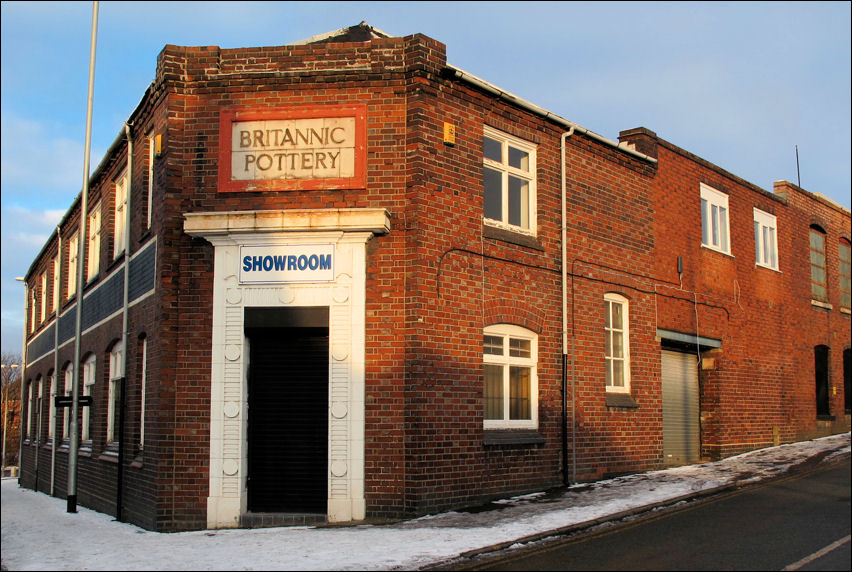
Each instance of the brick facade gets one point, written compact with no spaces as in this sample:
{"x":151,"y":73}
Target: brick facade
{"x":433,"y":281}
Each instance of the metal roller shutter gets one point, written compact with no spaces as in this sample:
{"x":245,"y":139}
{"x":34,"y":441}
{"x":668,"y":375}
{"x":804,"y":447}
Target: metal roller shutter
{"x":681,"y":429}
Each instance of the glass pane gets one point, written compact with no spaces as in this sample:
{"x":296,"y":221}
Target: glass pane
{"x":519,"y":348}
{"x":845,"y":252}
{"x":773,"y":259}
{"x":520,"y":405}
{"x":608,"y":372}
{"x":723,"y":228}
{"x":519,"y":202}
{"x":492,"y":149}
{"x":493,"y":345}
{"x":766,"y":245}
{"x":617,"y":344}
{"x":818,"y":291}
{"x":817,"y":259}
{"x":817,"y":275}
{"x":617,"y":373}
{"x":608,"y":344}
{"x":617,"y":316}
{"x":817,"y":242}
{"x":705,"y":223}
{"x":757,"y":241}
{"x":493,"y":194}
{"x":493,"y":391}
{"x":715,"y":218}
{"x":519,"y":159}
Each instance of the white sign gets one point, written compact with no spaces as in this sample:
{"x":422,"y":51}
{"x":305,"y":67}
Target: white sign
{"x":292,"y":263}
{"x":315,"y":148}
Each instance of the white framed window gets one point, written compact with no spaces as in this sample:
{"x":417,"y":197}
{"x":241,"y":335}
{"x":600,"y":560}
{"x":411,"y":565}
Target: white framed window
{"x":38,"y":410}
{"x":510,"y":361}
{"x":33,"y":309}
{"x":714,"y":219}
{"x":88,"y":384}
{"x":94,"y":252}
{"x":54,"y":304}
{"x":151,"y":155}
{"x":765,"y":239}
{"x":66,"y":411}
{"x":51,"y":423}
{"x":120,"y":221}
{"x":116,"y":372}
{"x":617,"y":343}
{"x":29,"y":426}
{"x":144,"y":382}
{"x":73,"y":253}
{"x":43,"y":296}
{"x":509,"y":183}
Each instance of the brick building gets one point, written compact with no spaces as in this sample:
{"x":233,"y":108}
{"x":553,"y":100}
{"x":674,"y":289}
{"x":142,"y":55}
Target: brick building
{"x":343,"y":279}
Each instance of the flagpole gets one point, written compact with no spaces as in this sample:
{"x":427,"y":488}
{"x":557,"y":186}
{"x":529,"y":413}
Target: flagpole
{"x":73,"y":451}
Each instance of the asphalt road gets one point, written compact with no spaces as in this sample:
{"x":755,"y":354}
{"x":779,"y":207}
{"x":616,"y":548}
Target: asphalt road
{"x":801,"y":522}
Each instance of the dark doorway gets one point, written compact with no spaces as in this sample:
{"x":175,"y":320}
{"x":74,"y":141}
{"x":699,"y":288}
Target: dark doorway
{"x":288,"y":410}
{"x":821,"y":377}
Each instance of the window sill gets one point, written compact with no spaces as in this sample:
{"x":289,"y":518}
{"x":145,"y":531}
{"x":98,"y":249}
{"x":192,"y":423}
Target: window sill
{"x":714,"y":249}
{"x":110,"y":456}
{"x":765,"y":267}
{"x":512,"y":237}
{"x":846,"y":311}
{"x":621,"y":400}
{"x":512,"y":437}
{"x":823,"y":305}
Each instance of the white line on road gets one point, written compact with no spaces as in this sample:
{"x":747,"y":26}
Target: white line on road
{"x":817,"y":554}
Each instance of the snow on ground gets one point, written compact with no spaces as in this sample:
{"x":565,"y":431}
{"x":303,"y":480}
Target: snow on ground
{"x":38,"y":534}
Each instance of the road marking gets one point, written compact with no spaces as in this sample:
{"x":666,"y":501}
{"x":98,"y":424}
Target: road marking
{"x":818,"y":554}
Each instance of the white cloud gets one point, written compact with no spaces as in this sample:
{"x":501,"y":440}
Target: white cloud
{"x":36,"y":158}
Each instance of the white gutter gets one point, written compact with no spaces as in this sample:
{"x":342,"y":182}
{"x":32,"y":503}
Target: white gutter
{"x":524,"y":104}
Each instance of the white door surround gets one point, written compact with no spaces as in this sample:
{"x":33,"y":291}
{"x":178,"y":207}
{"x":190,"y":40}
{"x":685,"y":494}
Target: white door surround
{"x":348,"y":230}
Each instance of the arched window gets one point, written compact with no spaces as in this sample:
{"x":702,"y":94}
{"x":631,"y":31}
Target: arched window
{"x":116,"y":372}
{"x":510,"y":358}
{"x":88,"y":384}
{"x":818,"y":274}
{"x":617,"y":343}
{"x":845,"y":257}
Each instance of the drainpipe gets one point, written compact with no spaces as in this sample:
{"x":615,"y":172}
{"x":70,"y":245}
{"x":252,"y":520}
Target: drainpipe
{"x":55,"y":384}
{"x":124,"y":327}
{"x":565,"y":137}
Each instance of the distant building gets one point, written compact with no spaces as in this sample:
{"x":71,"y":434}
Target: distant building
{"x":349,"y":295}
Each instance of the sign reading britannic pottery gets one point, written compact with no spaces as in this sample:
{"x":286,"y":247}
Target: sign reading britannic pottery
{"x":317,"y":147}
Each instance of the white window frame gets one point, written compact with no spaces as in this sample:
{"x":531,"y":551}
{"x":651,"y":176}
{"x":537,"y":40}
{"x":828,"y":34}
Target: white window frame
{"x":611,"y":361}
{"x":33,"y":309}
{"x":89,"y":371}
{"x":73,"y":253}
{"x":120,"y":220}
{"x":94,"y":250}
{"x":508,"y":332}
{"x":151,"y":156}
{"x":44,"y":296}
{"x":29,"y":431}
{"x":66,"y":411}
{"x":56,"y":286}
{"x":765,"y":239}
{"x":116,"y":365}
{"x":142,"y":397}
{"x":715,"y":220}
{"x":51,"y":424}
{"x":505,"y":170}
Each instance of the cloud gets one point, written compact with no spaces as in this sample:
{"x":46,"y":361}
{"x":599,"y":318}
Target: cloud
{"x":37,"y":161}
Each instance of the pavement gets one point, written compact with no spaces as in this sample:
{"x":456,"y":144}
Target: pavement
{"x":444,"y":540}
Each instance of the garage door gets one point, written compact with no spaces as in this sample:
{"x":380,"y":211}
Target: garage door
{"x":681,"y":431}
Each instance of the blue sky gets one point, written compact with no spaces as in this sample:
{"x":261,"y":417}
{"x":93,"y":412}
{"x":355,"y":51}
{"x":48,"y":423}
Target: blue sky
{"x":739,"y":84}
